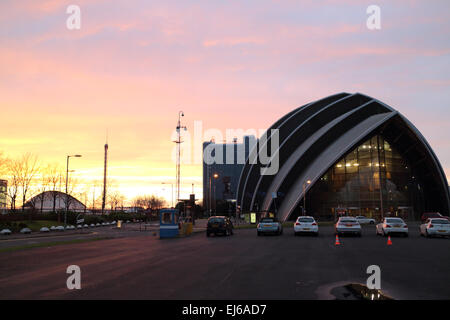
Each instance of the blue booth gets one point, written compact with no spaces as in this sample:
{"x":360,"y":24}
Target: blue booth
{"x":168,"y":223}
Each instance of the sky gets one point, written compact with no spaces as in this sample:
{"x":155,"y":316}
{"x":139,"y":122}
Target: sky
{"x":133,"y":65}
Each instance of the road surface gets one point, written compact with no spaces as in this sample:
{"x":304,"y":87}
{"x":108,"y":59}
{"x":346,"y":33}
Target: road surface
{"x":242,"y":266}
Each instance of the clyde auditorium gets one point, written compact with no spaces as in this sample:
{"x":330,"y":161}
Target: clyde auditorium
{"x":346,"y":154}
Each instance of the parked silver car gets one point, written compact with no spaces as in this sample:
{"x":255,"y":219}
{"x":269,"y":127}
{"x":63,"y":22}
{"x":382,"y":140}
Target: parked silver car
{"x":25,"y":230}
{"x":269,"y":225}
{"x":5,"y":232}
{"x":365,"y":220}
{"x":347,"y":225}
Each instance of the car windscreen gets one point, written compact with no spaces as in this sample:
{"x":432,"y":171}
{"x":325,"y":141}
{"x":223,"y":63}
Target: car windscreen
{"x":348,"y":220}
{"x":216,"y":220}
{"x":305,"y":220}
{"x":440,"y":221}
{"x":268,"y":220}
{"x":394,"y":220}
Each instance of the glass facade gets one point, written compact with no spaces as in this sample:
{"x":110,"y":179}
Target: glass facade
{"x":370,"y":180}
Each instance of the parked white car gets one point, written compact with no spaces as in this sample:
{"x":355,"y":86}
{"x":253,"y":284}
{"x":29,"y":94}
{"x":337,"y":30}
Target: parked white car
{"x":347,"y":225}
{"x":5,"y":232}
{"x":25,"y":230}
{"x":365,"y":220}
{"x":85,"y":226}
{"x":391,"y":226}
{"x":435,"y":227}
{"x":269,"y":225}
{"x":59,"y":228}
{"x":44,"y":229}
{"x":53,"y":228}
{"x":92,"y":225}
{"x":306,"y":224}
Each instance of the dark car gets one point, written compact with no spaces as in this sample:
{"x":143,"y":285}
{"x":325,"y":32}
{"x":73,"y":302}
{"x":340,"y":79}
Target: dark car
{"x":219,"y":225}
{"x":429,"y":215}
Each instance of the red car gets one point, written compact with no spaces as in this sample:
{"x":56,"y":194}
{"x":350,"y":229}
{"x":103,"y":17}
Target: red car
{"x":428,"y":215}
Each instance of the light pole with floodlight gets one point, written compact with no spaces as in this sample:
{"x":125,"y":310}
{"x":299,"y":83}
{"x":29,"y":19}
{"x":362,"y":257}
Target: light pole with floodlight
{"x":67,"y":191}
{"x":304,"y":195}
{"x":215,"y":175}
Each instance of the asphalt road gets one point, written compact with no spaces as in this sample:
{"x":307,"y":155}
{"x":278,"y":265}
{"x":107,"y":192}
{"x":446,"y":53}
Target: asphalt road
{"x":242,"y":266}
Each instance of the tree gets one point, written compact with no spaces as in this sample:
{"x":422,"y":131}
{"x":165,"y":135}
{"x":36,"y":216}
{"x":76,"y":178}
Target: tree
{"x":115,"y":199}
{"x":71,"y":187}
{"x":149,"y":202}
{"x":54,"y":180}
{"x":95,"y":194}
{"x":44,"y":184}
{"x":13,"y":182}
{"x":28,"y":167}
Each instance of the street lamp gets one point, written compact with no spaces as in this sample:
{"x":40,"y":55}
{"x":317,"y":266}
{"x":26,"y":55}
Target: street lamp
{"x":215,"y":175}
{"x":171,"y":184}
{"x":304,"y":195}
{"x":67,"y":191}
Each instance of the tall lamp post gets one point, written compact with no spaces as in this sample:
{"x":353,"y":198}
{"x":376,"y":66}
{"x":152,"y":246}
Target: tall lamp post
{"x":304,"y":195}
{"x":67,"y":190}
{"x":215,"y":175}
{"x":171,"y":184}
{"x":178,"y":142}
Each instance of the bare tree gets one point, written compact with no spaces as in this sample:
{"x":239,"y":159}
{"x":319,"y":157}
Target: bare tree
{"x":54,"y":180}
{"x":28,"y":167}
{"x":116,"y":199}
{"x":13,"y":182}
{"x":95,"y":194}
{"x":43,"y":186}
{"x":149,"y":202}
{"x":71,"y":187}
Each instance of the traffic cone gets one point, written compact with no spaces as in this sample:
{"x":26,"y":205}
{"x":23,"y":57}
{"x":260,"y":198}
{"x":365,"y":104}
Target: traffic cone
{"x":389,"y":243}
{"x":337,"y":243}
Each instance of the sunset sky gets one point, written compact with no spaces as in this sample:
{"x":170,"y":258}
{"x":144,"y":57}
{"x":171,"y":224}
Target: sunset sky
{"x":230,"y":64}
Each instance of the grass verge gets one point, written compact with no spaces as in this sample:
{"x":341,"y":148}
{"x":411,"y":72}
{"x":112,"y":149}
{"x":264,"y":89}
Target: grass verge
{"x":50,"y":244}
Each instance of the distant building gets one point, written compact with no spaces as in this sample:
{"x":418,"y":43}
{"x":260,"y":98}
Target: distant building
{"x":133,"y":209}
{"x":227,"y":167}
{"x":3,"y":194}
{"x":54,"y":200}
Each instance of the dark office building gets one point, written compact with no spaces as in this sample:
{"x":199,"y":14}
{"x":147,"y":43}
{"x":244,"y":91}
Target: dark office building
{"x":220,"y":178}
{"x":347,"y":154}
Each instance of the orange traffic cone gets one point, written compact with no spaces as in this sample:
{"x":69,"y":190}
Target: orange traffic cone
{"x":337,"y":243}
{"x":389,"y":243}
